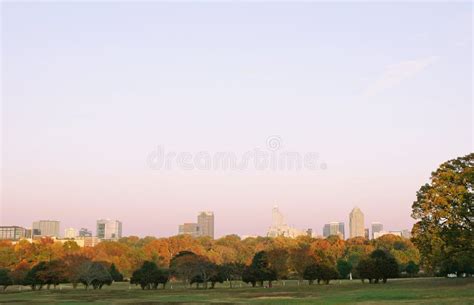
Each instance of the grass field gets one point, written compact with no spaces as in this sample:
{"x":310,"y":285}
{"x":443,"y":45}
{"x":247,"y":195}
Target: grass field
{"x":433,"y":291}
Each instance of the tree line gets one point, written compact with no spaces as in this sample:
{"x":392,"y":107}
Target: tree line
{"x":151,"y":263}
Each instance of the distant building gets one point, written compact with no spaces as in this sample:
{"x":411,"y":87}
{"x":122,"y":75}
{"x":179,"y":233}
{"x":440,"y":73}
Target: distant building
{"x":376,"y":227}
{"x":12,"y":233}
{"x":406,"y":234}
{"x":109,"y":229}
{"x":84,"y":232}
{"x":356,"y":223}
{"x":70,"y":233}
{"x":46,"y":228}
{"x":88,"y":241}
{"x":309,"y":232}
{"x":280,"y":228}
{"x":382,"y":233}
{"x":189,"y":229}
{"x":334,"y":228}
{"x":206,"y":224}
{"x":366,"y":233}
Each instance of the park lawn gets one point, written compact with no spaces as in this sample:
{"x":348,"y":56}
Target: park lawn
{"x":422,"y":291}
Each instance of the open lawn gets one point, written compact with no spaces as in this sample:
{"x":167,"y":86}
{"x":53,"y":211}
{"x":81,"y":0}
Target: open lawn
{"x":420,"y":291}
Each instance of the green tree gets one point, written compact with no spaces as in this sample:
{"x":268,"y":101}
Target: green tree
{"x":344,"y":268}
{"x":94,"y":274}
{"x":149,"y":276}
{"x":262,"y":270}
{"x":412,"y":269}
{"x":115,"y":274}
{"x":5,"y":279}
{"x":311,"y":273}
{"x":444,"y":230}
{"x":232,"y":272}
{"x":323,"y":272}
{"x":378,"y":266}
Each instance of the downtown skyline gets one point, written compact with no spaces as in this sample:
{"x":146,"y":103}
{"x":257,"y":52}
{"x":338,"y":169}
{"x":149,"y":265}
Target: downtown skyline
{"x":84,"y":104}
{"x":106,"y":229}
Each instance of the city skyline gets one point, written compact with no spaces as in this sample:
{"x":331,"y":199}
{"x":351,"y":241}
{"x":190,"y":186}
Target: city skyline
{"x":85,"y":104}
{"x":205,"y":227}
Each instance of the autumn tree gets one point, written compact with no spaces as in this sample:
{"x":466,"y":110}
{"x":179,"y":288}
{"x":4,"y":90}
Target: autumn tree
{"x":53,"y":273}
{"x":74,"y":267}
{"x":444,"y":210}
{"x":33,"y":277}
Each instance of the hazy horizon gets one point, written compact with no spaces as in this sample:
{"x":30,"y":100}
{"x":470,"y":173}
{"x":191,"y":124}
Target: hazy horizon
{"x":90,"y":90}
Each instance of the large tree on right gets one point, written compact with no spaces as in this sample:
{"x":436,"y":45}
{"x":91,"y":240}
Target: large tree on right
{"x":444,"y":208}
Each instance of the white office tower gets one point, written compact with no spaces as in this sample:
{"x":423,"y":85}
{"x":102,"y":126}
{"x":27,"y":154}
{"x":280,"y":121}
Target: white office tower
{"x":280,"y":228}
{"x":109,"y":229}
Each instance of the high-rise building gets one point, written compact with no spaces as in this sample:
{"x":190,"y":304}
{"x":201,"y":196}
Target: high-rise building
{"x":280,"y":228}
{"x":46,"y":228}
{"x":206,"y":224}
{"x":84,"y":232}
{"x":109,"y":229}
{"x":189,"y":228}
{"x":356,"y":223}
{"x":376,"y":227}
{"x":366,"y":233}
{"x":12,"y":232}
{"x":334,"y":228}
{"x":70,"y":233}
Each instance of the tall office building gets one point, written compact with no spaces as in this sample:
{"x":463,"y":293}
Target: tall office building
{"x":189,"y":228}
{"x":109,"y":229}
{"x":366,"y":233}
{"x":12,"y":232}
{"x":376,"y":227}
{"x":280,"y":228}
{"x":70,"y":233}
{"x":206,"y":224}
{"x":334,"y":228}
{"x":46,"y":228}
{"x":356,"y":223}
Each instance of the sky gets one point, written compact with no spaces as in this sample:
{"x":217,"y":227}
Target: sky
{"x":96,"y":95}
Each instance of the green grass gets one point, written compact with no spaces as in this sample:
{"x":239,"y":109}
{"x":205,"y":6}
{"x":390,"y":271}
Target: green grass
{"x":423,"y":291}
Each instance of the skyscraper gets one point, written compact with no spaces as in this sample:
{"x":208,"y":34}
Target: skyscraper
{"x":334,"y":228}
{"x":356,"y":223}
{"x":70,"y":233}
{"x":46,"y":228}
{"x":376,"y":227}
{"x":206,"y":224}
{"x":280,"y":228}
{"x":109,"y":229}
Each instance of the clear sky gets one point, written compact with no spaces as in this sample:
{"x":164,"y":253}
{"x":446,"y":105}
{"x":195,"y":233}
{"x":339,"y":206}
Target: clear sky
{"x":382,"y":92}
